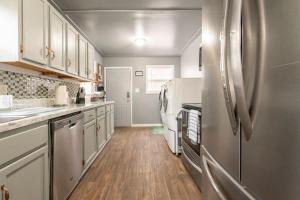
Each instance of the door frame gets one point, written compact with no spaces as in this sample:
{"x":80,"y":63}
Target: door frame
{"x":130,"y":69}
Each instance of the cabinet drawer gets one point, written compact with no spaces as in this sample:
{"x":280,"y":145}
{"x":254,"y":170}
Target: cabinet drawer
{"x":112,"y":107}
{"x":19,"y":142}
{"x":107,"y":108}
{"x":101,"y":111}
{"x":89,"y":115}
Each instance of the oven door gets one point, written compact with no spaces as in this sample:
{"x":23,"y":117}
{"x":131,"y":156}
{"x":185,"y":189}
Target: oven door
{"x":191,"y":128}
{"x":190,"y":155}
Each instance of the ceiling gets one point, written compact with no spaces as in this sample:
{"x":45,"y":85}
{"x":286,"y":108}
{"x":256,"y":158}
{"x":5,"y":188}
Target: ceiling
{"x":112,"y":25}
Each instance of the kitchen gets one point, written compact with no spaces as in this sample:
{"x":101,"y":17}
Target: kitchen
{"x":130,"y":99}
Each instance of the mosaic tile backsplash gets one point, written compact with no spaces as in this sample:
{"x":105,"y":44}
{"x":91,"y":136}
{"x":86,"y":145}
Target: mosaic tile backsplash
{"x":23,"y":86}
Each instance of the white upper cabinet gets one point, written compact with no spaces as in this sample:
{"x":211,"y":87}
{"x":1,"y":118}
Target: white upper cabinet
{"x":72,"y":50}
{"x":91,"y":61}
{"x":56,"y":40}
{"x":23,"y":35}
{"x":82,"y":57}
{"x":34,"y":31}
{"x":35,"y":35}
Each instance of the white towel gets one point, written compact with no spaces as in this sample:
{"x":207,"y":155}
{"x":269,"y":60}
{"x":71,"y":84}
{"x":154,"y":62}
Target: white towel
{"x":194,"y":126}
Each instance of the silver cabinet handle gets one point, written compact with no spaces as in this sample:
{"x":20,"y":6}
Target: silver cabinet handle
{"x":52,"y":54}
{"x":5,"y":192}
{"x":224,"y":72}
{"x":236,"y":64}
{"x":69,"y":62}
{"x":48,"y":51}
{"x":42,"y":52}
{"x":211,"y":179}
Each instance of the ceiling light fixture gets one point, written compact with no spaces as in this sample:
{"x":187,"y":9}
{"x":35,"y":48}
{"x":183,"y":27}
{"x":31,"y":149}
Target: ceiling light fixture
{"x":140,"y":41}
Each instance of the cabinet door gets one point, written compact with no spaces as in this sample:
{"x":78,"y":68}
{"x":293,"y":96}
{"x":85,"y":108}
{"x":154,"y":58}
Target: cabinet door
{"x":101,"y":135}
{"x":27,"y":178}
{"x":82,"y":57}
{"x":72,"y":50}
{"x":90,"y":142}
{"x":91,"y":61}
{"x":57,"y":40}
{"x":108,"y":126}
{"x":112,"y":122}
{"x":34,"y":16}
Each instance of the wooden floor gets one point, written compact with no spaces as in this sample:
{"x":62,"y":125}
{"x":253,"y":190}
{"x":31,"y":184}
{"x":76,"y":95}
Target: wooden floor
{"x":136,"y":165}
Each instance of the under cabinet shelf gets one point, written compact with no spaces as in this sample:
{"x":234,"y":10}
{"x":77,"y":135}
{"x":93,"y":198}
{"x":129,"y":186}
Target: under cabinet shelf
{"x":48,"y":71}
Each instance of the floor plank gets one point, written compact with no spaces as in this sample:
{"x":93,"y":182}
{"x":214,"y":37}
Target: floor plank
{"x":136,"y":165}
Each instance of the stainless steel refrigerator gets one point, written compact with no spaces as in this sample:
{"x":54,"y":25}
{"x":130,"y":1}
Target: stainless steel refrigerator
{"x":251,"y":99}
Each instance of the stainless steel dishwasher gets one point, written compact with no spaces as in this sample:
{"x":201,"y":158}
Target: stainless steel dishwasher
{"x":66,"y":154}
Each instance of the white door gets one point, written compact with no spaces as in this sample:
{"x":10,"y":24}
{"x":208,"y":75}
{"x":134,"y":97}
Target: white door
{"x":72,"y":47}
{"x":82,"y":57}
{"x":118,"y":89}
{"x":34,"y":30}
{"x":57,"y":37}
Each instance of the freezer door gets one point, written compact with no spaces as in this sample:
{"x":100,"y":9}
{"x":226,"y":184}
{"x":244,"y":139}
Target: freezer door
{"x":218,"y":135}
{"x":270,"y":164}
{"x":218,"y":184}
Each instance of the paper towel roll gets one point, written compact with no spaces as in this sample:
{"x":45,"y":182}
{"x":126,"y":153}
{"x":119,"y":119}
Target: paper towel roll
{"x":61,"y":95}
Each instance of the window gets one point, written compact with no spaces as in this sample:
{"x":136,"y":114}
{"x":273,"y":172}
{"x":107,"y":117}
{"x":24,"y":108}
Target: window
{"x":156,"y":76}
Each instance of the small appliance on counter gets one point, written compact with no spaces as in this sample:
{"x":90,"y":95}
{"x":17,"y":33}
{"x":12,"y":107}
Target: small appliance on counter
{"x":97,"y":97}
{"x":99,"y":90}
{"x":61,"y":96}
{"x":80,"y":97}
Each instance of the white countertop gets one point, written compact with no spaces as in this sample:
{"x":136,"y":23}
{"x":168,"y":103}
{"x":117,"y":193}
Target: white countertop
{"x":50,"y":115}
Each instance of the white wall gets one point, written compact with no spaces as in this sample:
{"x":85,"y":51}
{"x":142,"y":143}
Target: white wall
{"x":98,"y":57}
{"x":190,"y":59}
{"x":145,"y":107}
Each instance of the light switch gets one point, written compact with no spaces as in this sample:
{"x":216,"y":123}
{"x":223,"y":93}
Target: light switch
{"x":137,"y":90}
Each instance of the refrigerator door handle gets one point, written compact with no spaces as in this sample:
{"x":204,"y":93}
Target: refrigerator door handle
{"x":236,"y":64}
{"x":211,"y":179}
{"x":224,"y":72}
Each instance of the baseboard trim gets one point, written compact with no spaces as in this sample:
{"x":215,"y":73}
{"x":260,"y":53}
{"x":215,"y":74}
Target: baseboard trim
{"x":146,"y":125}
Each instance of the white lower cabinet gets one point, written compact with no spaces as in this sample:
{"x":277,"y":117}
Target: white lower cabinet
{"x":101,"y":135}
{"x":108,"y":125}
{"x":90,"y":142}
{"x":112,"y":119}
{"x":24,"y":171}
{"x":27,"y":178}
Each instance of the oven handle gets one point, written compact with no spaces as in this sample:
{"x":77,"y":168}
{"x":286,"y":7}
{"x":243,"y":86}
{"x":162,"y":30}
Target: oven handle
{"x":191,"y":162}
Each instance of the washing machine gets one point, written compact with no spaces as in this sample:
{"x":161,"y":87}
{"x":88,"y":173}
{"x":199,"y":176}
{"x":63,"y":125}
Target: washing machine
{"x":177,"y":92}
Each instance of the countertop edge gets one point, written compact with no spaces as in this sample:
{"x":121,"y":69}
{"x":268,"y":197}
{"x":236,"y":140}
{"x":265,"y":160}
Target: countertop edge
{"x":49,"y":115}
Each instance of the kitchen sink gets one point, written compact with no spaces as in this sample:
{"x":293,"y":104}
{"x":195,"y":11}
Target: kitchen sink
{"x":15,"y":114}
